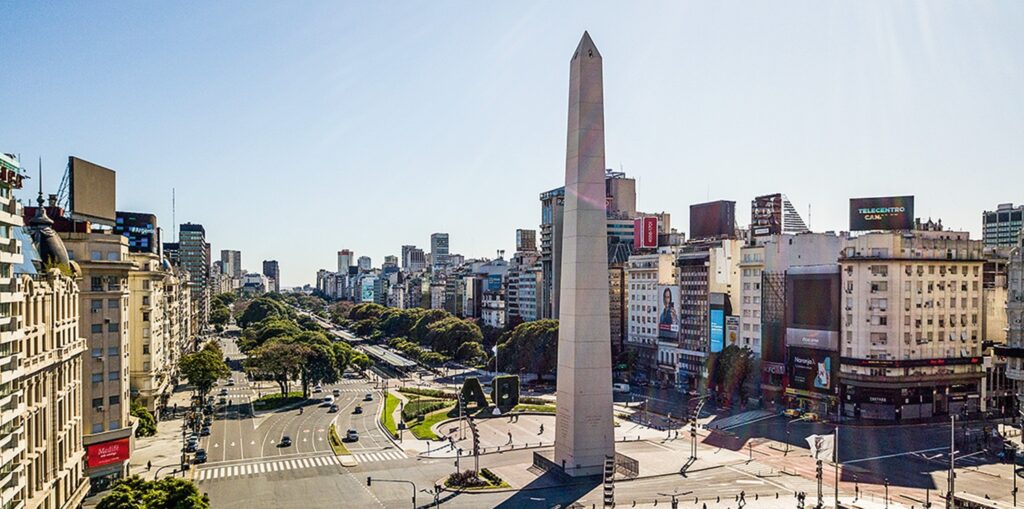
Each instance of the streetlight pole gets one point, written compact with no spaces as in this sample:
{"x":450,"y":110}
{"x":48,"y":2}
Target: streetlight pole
{"x":369,"y":482}
{"x":952,"y":459}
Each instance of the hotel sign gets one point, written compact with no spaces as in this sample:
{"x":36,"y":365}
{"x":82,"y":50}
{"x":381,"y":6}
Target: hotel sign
{"x":9,"y":175}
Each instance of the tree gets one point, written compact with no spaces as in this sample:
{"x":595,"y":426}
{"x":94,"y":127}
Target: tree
{"x":419,"y":331}
{"x":448,"y":335}
{"x":220,"y":315}
{"x":470,"y":353}
{"x":261,"y":309}
{"x":401,"y":322}
{"x":365,"y":310}
{"x":226,"y":298}
{"x":147,"y":423}
{"x":204,"y":368}
{"x":731,"y":369}
{"x":280,"y":359}
{"x":531,"y":346}
{"x":273,"y":327}
{"x":167,"y":493}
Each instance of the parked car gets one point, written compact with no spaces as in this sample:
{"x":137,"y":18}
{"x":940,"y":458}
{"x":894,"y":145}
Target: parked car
{"x":208,"y":420}
{"x":351,"y":436}
{"x":336,"y":393}
{"x":231,"y":382}
{"x":332,"y":409}
{"x":358,"y":410}
{"x":204,"y":431}
{"x":286,"y":441}
{"x":223,"y":391}
{"x":318,"y":388}
{"x":368,"y":397}
{"x":200,"y":456}
{"x":810,"y":416}
{"x":191,"y":447}
{"x":792,"y":412}
{"x":620,"y":387}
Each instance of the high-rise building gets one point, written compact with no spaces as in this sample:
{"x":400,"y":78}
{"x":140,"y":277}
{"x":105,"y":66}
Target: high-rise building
{"x":194,"y":253}
{"x":413,"y":260}
{"x":390,"y":262}
{"x":149,"y":342}
{"x":40,"y":362}
{"x":103,"y":301}
{"x":526,"y":240}
{"x":439,"y":251}
{"x":231,"y":262}
{"x":365,"y":264}
{"x":272,"y":270}
{"x":345,"y":259}
{"x":1001,"y":226}
{"x":647,"y":276}
{"x":911,"y":325}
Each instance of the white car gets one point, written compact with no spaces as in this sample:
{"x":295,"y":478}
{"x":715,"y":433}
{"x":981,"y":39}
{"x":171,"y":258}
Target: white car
{"x":329,"y":400}
{"x":318,"y":388}
{"x":351,"y":436}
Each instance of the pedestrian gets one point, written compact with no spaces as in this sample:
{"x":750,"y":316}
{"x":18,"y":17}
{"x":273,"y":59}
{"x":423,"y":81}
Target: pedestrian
{"x":541,"y":429}
{"x":149,"y":465}
{"x":510,"y":437}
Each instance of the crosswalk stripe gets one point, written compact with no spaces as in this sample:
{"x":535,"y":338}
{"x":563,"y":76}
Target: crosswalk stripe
{"x":291,"y":464}
{"x":221,"y":472}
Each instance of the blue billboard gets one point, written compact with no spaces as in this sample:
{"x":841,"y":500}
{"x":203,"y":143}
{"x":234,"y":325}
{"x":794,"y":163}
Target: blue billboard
{"x":717,"y":335}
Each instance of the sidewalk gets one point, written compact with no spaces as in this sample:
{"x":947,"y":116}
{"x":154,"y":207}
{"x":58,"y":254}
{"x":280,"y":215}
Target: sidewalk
{"x":164,"y":448}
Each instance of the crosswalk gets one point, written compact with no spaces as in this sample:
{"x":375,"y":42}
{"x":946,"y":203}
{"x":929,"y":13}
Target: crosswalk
{"x":265,"y":467}
{"x":368,"y":457}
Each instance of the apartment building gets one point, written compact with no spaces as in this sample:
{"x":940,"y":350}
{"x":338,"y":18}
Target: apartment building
{"x":911,"y":331}
{"x":1014,"y":349}
{"x":149,"y":339}
{"x":647,"y":276}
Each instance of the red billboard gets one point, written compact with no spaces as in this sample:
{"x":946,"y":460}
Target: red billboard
{"x":106,"y":453}
{"x":645,"y":232}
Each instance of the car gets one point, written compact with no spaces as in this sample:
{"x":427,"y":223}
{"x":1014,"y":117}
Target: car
{"x":208,"y":420}
{"x":358,"y":410}
{"x":792,"y":412}
{"x":328,"y":400}
{"x":223,"y":392}
{"x":332,"y":409}
{"x":286,"y":441}
{"x":351,"y":436}
{"x":191,"y":447}
{"x":318,"y":388}
{"x":368,"y":397}
{"x":200,"y":456}
{"x":209,"y":408}
{"x":231,"y":382}
{"x":336,"y":393}
{"x":620,"y":387}
{"x":810,"y":416}
{"x":204,"y":431}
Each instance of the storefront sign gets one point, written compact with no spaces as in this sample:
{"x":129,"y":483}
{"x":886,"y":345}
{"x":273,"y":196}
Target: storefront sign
{"x":909,"y":363}
{"x":108,"y":452}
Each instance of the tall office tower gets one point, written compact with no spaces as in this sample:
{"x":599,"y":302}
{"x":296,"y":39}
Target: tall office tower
{"x":365,"y":264}
{"x":345,"y":260}
{"x":526,"y":240}
{"x":1001,"y":226}
{"x":584,"y":435}
{"x":439,"y":251}
{"x":405,"y":255}
{"x":414,"y":260}
{"x":194,"y":255}
{"x":231,"y":262}
{"x":272,"y":271}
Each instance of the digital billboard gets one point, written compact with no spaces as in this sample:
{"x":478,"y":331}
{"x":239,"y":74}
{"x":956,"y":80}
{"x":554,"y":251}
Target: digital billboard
{"x":882,"y":213}
{"x":732,"y":329}
{"x":106,"y":453}
{"x":812,"y":297}
{"x":645,"y":232}
{"x":140,"y":228}
{"x":716,"y":335}
{"x":713,"y":219}
{"x":766,"y":215}
{"x":668,"y":312}
{"x":812,"y":370}
{"x":93,"y":191}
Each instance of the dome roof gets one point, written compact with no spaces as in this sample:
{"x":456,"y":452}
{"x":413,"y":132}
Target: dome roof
{"x":50,"y":246}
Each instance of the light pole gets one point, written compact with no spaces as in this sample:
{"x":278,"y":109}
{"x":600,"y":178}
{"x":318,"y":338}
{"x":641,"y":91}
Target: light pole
{"x":952,"y":459}
{"x":786,"y":453}
{"x":369,"y":482}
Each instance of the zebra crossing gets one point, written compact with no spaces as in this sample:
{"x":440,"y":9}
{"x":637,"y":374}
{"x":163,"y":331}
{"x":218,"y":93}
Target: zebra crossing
{"x":367,"y":457}
{"x":266,"y":467}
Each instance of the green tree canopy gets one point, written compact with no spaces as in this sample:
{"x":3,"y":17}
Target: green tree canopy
{"x":365,"y":310}
{"x":446,"y":336}
{"x":282,"y":360}
{"x":260,"y":309}
{"x":147,"y":423}
{"x":204,"y":368}
{"x":419,"y":330}
{"x":531,"y":347}
{"x":167,"y":493}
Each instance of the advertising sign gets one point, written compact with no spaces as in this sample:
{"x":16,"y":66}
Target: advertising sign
{"x":717,"y":333}
{"x":732,"y":329}
{"x":645,"y":232}
{"x":106,"y":453}
{"x":882,"y":213}
{"x":812,"y":370}
{"x":817,"y":339}
{"x":712,"y":219}
{"x":668,"y":312}
{"x":766,"y":215}
{"x":92,"y":191}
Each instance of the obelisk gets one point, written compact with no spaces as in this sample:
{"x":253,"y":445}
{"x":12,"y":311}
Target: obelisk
{"x":584,"y":433}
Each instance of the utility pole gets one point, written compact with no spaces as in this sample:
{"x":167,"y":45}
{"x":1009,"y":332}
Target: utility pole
{"x":952,"y":460}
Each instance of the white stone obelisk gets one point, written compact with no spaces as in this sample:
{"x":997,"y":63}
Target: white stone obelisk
{"x":584,"y":433}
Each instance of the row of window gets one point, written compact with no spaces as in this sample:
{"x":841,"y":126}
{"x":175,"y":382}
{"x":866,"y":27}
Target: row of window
{"x":113,"y":351}
{"x":112,"y":400}
{"x":112,"y":376}
{"x":97,"y":427}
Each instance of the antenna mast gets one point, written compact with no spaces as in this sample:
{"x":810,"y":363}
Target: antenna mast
{"x":174,"y":217}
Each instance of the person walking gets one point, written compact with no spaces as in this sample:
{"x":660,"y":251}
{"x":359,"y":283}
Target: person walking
{"x":149,"y":465}
{"x":509,"y":438}
{"x":541,"y":429}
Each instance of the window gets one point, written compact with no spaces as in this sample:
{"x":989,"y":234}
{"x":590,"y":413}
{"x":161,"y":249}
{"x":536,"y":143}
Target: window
{"x":97,"y":377}
{"x":145,"y":349}
{"x":112,"y":376}
{"x":97,"y":428}
{"x":115,"y":424}
{"x":113,"y":351}
{"x":114,"y":400}
{"x":145,"y":366}
{"x":113,"y":304}
{"x":95,"y":305}
{"x":145,"y":301}
{"x":113,"y":256}
{"x":97,"y":353}
{"x":96,"y":284}
{"x":97,"y":402}
{"x":113,"y":327}
{"x":95,"y":255}
{"x":96,"y":328}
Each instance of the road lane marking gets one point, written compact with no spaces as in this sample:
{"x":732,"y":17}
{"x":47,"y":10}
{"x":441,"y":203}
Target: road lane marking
{"x":886,"y":456}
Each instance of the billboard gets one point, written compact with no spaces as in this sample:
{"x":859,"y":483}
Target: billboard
{"x":140,"y":229}
{"x":732,"y":329}
{"x":668,"y":312}
{"x":713,"y":219}
{"x":716,"y":335}
{"x":812,"y":297}
{"x":812,"y":370}
{"x":882,"y":213}
{"x":645,"y":232}
{"x":106,"y":453}
{"x":92,"y":193}
{"x":766,"y":215}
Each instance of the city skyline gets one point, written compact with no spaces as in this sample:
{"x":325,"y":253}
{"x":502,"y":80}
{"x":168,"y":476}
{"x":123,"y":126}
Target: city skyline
{"x":893,"y":100}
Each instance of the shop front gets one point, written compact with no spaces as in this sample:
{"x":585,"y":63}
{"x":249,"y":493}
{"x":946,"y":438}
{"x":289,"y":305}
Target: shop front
{"x":908,"y":402}
{"x":106,"y":463}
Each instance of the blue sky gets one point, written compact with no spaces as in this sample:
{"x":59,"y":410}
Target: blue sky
{"x":294,"y":129}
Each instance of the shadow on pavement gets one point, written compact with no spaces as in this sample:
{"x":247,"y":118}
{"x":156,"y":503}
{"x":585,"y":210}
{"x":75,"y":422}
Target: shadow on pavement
{"x":550,"y":490}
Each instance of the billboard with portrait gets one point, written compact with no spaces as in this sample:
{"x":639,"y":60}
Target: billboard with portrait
{"x":668,"y":312}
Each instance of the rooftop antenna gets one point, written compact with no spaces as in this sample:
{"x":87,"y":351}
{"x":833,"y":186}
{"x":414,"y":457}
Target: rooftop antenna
{"x":174,"y":220}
